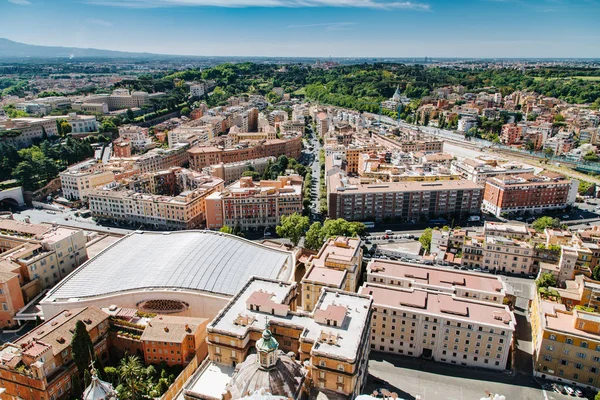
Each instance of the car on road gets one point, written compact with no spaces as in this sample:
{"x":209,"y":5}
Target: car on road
{"x":389,"y":232}
{"x":519,"y":218}
{"x":578,"y":392}
{"x":565,"y":216}
{"x":477,"y":270}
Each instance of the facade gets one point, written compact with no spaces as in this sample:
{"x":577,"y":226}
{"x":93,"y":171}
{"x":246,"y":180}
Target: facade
{"x":137,"y":136}
{"x":197,"y":89}
{"x":528,"y":193}
{"x":322,"y":121}
{"x":39,"y":365}
{"x":201,"y":157}
{"x":79,"y":180}
{"x":352,"y":200}
{"x":508,"y":255}
{"x":424,"y":146}
{"x":566,"y":344}
{"x":337,"y":265}
{"x":249,"y":204}
{"x":438,"y":313}
{"x":21,"y":132}
{"x":199,"y":134}
{"x":334,"y":338}
{"x":441,"y":327}
{"x":121,"y":99}
{"x":186,"y":210}
{"x":44,"y":105}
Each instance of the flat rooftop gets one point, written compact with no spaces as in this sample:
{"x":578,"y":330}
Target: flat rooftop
{"x":197,"y":260}
{"x":433,"y":276}
{"x":337,"y":250}
{"x":442,"y":305}
{"x":355,"y":307}
{"x":325,"y":276}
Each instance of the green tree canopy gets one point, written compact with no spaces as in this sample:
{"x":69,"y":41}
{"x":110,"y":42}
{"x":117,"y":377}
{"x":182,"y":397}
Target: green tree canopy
{"x":545,"y":280}
{"x":546,"y":222}
{"x":596,"y":273}
{"x":425,"y":239}
{"x":314,"y":237}
{"x":293,"y":227}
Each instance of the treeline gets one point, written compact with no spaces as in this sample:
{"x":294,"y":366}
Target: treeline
{"x":35,"y":166}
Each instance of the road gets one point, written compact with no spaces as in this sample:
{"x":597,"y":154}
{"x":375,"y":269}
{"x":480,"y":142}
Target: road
{"x":316,"y":173}
{"x":67,"y":218}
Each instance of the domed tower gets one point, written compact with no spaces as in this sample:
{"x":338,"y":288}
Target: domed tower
{"x":267,"y":348}
{"x":397,"y":94}
{"x":269,"y":371}
{"x":99,"y":390}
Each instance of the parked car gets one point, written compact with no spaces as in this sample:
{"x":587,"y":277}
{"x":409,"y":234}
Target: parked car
{"x":570,"y":391}
{"x":578,"y":392}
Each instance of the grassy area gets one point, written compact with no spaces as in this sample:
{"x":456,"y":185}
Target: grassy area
{"x":300,"y":92}
{"x":585,"y":78}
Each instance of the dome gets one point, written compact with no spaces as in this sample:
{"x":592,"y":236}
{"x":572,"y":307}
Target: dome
{"x":99,"y":390}
{"x":267,"y":343}
{"x":285,"y":378}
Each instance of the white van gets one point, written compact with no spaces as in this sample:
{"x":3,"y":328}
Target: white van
{"x":474,"y":218}
{"x":388,"y":232}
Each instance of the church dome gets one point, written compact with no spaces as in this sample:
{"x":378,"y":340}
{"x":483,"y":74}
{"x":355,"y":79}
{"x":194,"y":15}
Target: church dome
{"x":99,"y":390}
{"x":285,"y":378}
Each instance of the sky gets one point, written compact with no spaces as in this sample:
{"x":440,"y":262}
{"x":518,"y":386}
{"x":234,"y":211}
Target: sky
{"x":312,"y":28}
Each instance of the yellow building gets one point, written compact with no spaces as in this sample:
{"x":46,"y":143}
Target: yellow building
{"x":566,"y":344}
{"x":337,"y":265}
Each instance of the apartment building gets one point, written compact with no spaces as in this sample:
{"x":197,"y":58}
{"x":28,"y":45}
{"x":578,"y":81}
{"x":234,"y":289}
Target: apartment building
{"x":196,"y":134}
{"x":184,"y":211}
{"x":231,"y":172}
{"x":197,"y":89}
{"x":581,"y":290}
{"x":332,"y":341}
{"x":337,"y":265}
{"x":508,"y":255}
{"x":249,"y":204}
{"x":566,"y":344}
{"x":515,"y":231}
{"x":424,"y":146}
{"x":161,"y":159}
{"x":352,"y":200}
{"x":78,"y":180}
{"x":528,"y":193}
{"x":39,"y":365}
{"x":440,"y":327}
{"x":201,"y":157}
{"x":21,"y":132}
{"x":480,"y":171}
{"x":292,"y":127}
{"x":11,"y":297}
{"x":511,"y":134}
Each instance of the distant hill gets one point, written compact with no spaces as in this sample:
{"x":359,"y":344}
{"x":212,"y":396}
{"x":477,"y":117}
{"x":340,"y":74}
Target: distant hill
{"x":11,"y":49}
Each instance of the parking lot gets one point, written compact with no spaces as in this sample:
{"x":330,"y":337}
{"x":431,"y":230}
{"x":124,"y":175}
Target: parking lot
{"x":413,"y":378}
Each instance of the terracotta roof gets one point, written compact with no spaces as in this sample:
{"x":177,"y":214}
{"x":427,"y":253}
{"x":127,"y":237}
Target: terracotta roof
{"x":172,"y":329}
{"x":23,"y":228}
{"x":58,"y":331}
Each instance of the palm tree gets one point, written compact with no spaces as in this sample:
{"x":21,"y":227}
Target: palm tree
{"x":132,"y":381}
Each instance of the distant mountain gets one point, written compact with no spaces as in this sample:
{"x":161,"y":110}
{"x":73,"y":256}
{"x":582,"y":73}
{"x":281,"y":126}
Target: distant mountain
{"x":11,"y":49}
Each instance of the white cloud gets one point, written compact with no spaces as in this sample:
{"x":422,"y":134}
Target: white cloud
{"x":20,"y":2}
{"x":376,"y":4}
{"x":330,"y":26}
{"x":97,"y":21}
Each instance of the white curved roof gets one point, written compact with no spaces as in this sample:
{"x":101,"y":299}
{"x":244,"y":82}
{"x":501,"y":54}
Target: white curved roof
{"x":197,"y":260}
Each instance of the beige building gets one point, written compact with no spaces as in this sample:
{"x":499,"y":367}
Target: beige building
{"x":161,"y":159}
{"x":184,"y":211}
{"x":508,"y":255}
{"x":337,"y":265}
{"x":78,"y":180}
{"x":441,"y":327}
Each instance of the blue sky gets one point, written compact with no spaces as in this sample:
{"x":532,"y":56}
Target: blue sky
{"x":320,"y":28}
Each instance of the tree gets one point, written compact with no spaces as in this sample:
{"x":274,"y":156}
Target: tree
{"x":63,"y":127}
{"x":293,"y":227}
{"x":546,"y":222}
{"x":596,"y":273}
{"x":226,"y":229}
{"x":545,"y":280}
{"x":130,"y":115}
{"x":132,"y":386}
{"x":81,"y":345}
{"x":185,"y":111}
{"x":585,"y":188}
{"x":314,"y":237}
{"x":548,"y":152}
{"x":425,"y":239}
{"x":255,"y":175}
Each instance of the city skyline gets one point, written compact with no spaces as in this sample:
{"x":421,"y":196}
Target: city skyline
{"x":313,"y":28}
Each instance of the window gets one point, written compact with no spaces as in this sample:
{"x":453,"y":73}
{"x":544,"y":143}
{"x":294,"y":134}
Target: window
{"x":552,"y":337}
{"x":550,"y":348}
{"x":569,"y":341}
{"x":584,"y":345}
{"x":581,"y":355}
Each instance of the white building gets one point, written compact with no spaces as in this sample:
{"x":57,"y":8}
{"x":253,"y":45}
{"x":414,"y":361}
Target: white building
{"x":198,"y":89}
{"x":78,"y":180}
{"x":79,"y":123}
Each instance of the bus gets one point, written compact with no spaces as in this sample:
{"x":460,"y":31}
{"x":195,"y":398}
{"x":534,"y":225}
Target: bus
{"x":439,"y":221}
{"x":369,"y":225}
